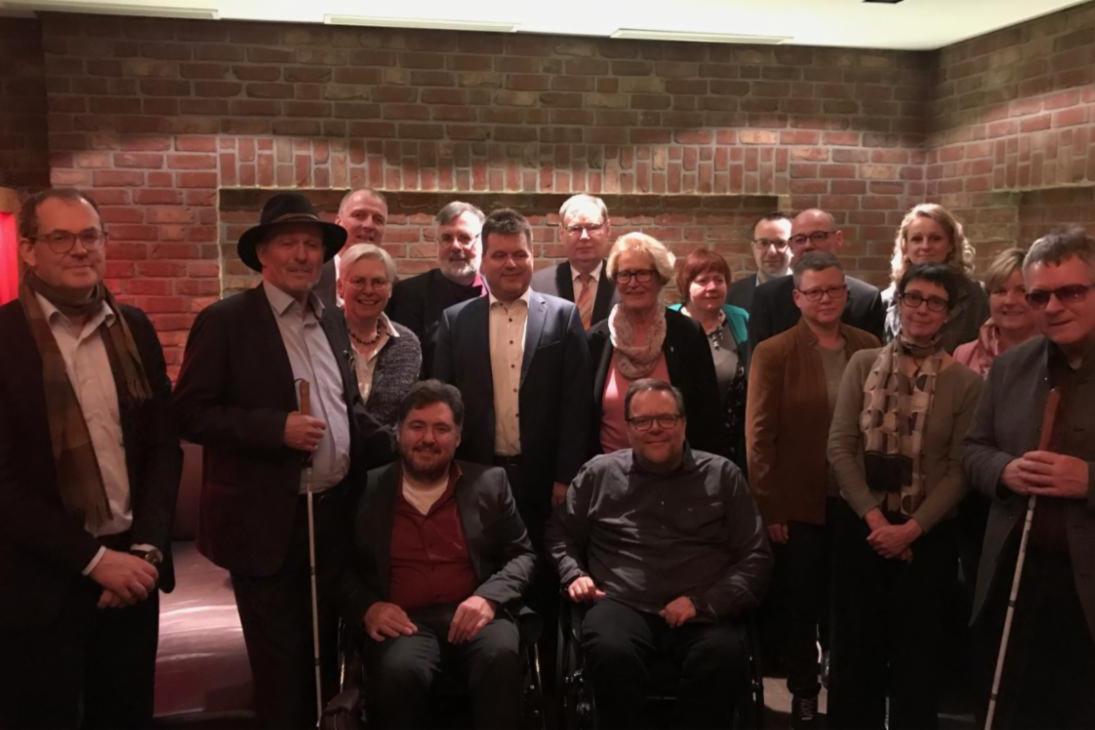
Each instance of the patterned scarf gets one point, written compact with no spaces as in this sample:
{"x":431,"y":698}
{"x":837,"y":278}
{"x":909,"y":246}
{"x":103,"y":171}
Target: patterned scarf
{"x":636,"y":361}
{"x":897,"y":396}
{"x":78,"y":476}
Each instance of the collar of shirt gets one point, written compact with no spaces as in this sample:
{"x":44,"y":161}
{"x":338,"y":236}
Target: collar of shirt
{"x":281,"y":302}
{"x":596,"y":273}
{"x":523,"y":298}
{"x":55,"y":316}
{"x":688,"y":464}
{"x":450,"y":486}
{"x":384,"y":325}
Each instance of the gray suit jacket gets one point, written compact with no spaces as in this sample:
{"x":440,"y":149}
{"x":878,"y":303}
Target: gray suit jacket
{"x":558,"y":281}
{"x":1008,"y":424}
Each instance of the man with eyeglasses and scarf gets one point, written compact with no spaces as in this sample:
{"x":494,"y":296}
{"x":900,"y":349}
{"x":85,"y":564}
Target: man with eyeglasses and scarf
{"x":89,"y":471}
{"x":1050,"y":666}
{"x":666,"y":546}
{"x":774,"y":307}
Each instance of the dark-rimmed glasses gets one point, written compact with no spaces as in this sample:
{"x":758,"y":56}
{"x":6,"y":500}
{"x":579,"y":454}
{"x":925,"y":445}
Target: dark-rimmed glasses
{"x":1039,"y":298}
{"x":61,"y":242}
{"x":665,"y":421}
{"x":913,"y":300}
{"x":815,"y":237}
{"x":643,"y":276}
{"x":815,"y":295}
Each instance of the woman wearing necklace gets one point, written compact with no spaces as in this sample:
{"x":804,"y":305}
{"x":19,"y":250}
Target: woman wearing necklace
{"x":387,"y":357}
{"x":703,"y":281}
{"x":896,"y":446}
{"x":641,"y":339}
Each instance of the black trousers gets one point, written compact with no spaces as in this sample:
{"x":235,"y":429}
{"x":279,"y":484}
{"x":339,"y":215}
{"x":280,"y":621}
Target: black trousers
{"x":403,"y":670}
{"x":276,"y":615}
{"x":888,"y":628}
{"x":1049,"y":671}
{"x":90,"y":668}
{"x":620,"y":644}
{"x":806,"y":558}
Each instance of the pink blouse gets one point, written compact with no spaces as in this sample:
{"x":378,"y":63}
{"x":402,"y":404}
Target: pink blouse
{"x":613,"y":423}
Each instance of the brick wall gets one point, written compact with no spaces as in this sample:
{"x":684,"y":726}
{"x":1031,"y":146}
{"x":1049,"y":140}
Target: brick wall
{"x":24,"y":163}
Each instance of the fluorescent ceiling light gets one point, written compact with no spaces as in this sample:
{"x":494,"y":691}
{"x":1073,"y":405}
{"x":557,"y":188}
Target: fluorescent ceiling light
{"x":429,"y":24}
{"x":644,"y":34}
{"x":208,"y":12}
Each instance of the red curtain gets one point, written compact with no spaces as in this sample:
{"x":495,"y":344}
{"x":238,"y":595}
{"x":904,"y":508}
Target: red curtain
{"x":9,"y":259}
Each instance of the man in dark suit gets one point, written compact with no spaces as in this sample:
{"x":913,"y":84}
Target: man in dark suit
{"x":530,"y":411}
{"x":1050,"y":667}
{"x":417,"y":303}
{"x":772,"y":255}
{"x":440,"y":562}
{"x":363,"y":213}
{"x":586,"y":234}
{"x":774,"y":308}
{"x":89,"y":470}
{"x":237,"y":396}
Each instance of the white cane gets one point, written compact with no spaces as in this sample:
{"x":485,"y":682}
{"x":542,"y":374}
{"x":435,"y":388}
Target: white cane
{"x":305,"y":408}
{"x":1048,"y":416}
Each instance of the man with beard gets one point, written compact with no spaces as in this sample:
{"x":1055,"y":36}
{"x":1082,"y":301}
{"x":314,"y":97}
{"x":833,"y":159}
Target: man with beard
{"x":772,"y":254}
{"x":440,"y":561}
{"x":363,"y":214}
{"x":417,"y":303}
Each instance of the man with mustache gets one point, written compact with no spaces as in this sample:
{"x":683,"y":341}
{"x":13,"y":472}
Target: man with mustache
{"x":586,"y":234}
{"x":89,"y":471}
{"x":417,"y":303}
{"x":363,"y":213}
{"x":440,"y":562}
{"x":237,"y":396}
{"x":772,"y":254}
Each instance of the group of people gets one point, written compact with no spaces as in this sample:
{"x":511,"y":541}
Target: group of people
{"x":467,"y":443}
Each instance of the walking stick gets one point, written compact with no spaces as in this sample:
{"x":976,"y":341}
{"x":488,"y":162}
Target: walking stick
{"x":1048,"y":416}
{"x":305,"y":408}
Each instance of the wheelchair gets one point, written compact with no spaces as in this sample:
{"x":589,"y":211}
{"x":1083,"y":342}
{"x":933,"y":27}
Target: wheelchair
{"x":578,"y":708}
{"x":450,"y":704}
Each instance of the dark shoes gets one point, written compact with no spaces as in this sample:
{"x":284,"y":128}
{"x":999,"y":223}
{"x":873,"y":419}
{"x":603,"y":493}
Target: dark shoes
{"x":803,"y":713}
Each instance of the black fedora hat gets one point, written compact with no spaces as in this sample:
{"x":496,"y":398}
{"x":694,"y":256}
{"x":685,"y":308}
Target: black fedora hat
{"x":280,"y":210}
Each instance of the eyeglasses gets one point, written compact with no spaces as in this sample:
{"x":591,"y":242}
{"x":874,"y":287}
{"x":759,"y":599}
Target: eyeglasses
{"x":61,"y":242}
{"x":1039,"y":298}
{"x":913,"y":300}
{"x":832,"y":292}
{"x":643,"y":276}
{"x":777,"y":243}
{"x":589,"y":228}
{"x":815,"y":237}
{"x":360,"y":282}
{"x":664,"y":421}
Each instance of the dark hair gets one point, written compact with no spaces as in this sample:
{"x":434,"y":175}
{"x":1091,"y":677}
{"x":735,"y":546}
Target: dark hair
{"x":454,"y":210}
{"x":813,"y":261}
{"x":642,"y":385}
{"x":28,"y":213}
{"x":426,"y":393}
{"x":700,"y":261}
{"x":508,"y":222}
{"x":773,"y":216}
{"x":941,"y":274}
{"x":1057,"y":246}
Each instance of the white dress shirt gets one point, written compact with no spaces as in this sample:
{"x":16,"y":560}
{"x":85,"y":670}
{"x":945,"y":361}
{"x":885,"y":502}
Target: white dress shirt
{"x":507,"y":349}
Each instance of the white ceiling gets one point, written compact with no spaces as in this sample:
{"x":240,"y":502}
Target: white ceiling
{"x":909,"y":25}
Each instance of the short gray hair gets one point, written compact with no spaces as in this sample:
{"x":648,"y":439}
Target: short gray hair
{"x":661,"y":256}
{"x":454,"y":210}
{"x":359,"y":251}
{"x":1057,"y":246}
{"x":813,"y":261}
{"x":580,"y":199}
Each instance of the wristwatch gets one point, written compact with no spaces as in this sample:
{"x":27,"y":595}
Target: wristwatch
{"x":151,"y":555}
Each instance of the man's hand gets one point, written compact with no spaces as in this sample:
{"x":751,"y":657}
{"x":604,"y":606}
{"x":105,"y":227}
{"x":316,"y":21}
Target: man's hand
{"x":893,"y":541}
{"x":109,"y":599}
{"x":582,"y":589}
{"x":1015,"y":479}
{"x":1053,"y":475}
{"x":128,"y":577}
{"x":558,"y":493}
{"x":778,"y":533}
{"x":679,"y":611}
{"x":302,"y":432}
{"x":385,"y":620}
{"x":473,"y":613}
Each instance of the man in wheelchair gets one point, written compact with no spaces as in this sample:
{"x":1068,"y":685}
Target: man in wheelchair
{"x":441,"y":559}
{"x":667,"y":547}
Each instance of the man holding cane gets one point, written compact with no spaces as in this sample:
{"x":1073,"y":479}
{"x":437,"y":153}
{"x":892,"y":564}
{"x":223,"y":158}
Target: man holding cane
{"x":236,"y":395}
{"x":1049,"y":656}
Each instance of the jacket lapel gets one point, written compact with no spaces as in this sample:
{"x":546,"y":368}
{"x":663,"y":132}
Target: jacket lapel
{"x":534,"y":328}
{"x":606,"y":295}
{"x":564,"y":282}
{"x":382,"y":517}
{"x":472,"y":524}
{"x":270,"y":356}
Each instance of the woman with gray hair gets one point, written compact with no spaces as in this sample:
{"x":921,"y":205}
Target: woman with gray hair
{"x":642,"y":339}
{"x":387,"y":356}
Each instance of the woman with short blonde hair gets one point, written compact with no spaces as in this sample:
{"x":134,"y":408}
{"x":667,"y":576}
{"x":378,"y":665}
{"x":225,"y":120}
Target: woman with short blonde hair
{"x":1011,"y":320}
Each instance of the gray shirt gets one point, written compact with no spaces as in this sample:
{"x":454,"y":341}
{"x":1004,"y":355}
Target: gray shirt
{"x":312,"y":359}
{"x":646,"y":538}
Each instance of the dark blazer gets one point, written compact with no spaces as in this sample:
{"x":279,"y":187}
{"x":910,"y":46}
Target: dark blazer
{"x":1006,"y":425}
{"x":43,"y":549}
{"x":498,"y":545}
{"x":774,"y":309}
{"x":554,"y":397}
{"x":327,"y":288}
{"x":741,"y":292}
{"x":417,"y":304}
{"x":234,"y":392}
{"x":558,"y":281}
{"x":691,"y":370}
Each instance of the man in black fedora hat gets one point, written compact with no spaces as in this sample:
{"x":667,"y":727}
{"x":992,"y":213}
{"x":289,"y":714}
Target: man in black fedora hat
{"x":238,"y":396}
